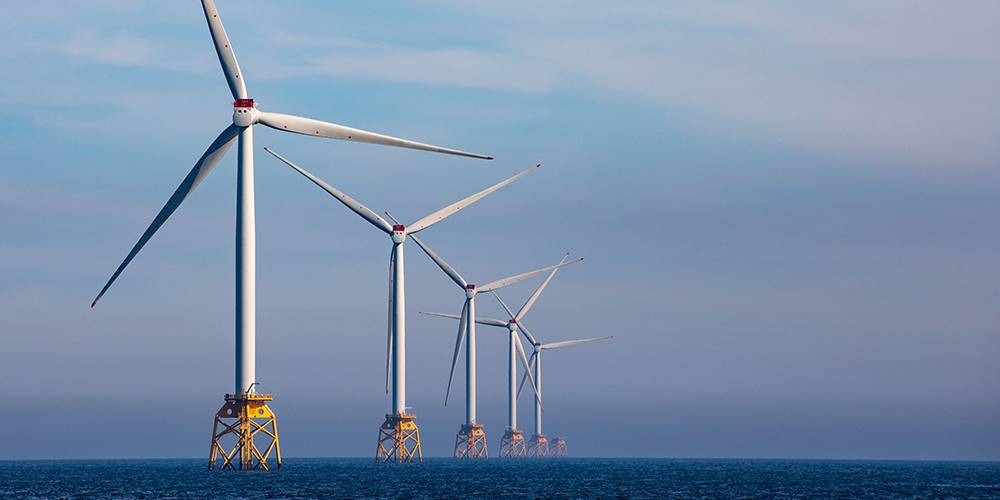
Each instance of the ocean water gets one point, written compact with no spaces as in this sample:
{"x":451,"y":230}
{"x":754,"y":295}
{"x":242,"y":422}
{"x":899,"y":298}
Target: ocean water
{"x":446,"y":478}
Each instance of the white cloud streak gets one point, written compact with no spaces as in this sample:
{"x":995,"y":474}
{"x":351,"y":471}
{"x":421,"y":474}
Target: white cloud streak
{"x":899,"y":84}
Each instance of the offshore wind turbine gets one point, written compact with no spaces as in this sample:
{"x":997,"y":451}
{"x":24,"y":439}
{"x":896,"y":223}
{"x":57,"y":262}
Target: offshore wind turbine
{"x":512,"y":444}
{"x":399,"y":428}
{"x":470,"y":441}
{"x":539,"y":444}
{"x":245,"y":404}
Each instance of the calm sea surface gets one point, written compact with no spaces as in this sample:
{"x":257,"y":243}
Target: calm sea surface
{"x":445,"y":478}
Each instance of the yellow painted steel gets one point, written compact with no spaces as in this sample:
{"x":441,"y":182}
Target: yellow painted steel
{"x":470,"y":442}
{"x":244,"y":422}
{"x":512,"y":445}
{"x":538,"y":446}
{"x":559,"y":450}
{"x":399,"y":440}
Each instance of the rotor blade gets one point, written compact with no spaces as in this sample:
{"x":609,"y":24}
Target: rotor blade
{"x":504,"y":304}
{"x":531,"y":366}
{"x":225,"y":50}
{"x":527,"y":333}
{"x":481,"y":321}
{"x":538,"y":291}
{"x":527,"y":368}
{"x":567,"y":343}
{"x":201,"y":169}
{"x":309,"y":126}
{"x":458,"y":347}
{"x":388,"y":335}
{"x":348,"y":202}
{"x":489,"y":287}
{"x":452,"y":209}
{"x":450,"y":271}
{"x":441,"y":315}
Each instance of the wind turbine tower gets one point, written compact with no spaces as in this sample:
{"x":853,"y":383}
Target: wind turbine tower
{"x":399,"y":436}
{"x":538,"y":446}
{"x":245,"y":422}
{"x":470,"y":441}
{"x":512,"y":444}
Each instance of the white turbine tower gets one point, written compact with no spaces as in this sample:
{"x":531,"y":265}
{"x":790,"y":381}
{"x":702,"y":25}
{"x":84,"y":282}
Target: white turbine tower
{"x":400,"y":428}
{"x":470,"y":441}
{"x":512,"y":444}
{"x":539,"y":444}
{"x":244,"y":403}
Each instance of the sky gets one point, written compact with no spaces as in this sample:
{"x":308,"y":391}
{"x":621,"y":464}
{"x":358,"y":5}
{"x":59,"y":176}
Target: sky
{"x":786,"y":212}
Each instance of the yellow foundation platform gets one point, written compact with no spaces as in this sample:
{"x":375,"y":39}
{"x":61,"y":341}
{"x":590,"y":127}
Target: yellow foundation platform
{"x":470,"y":442}
{"x":559,"y":449}
{"x":538,"y":446}
{"x":244,"y":426}
{"x":512,"y":444}
{"x":399,"y":440}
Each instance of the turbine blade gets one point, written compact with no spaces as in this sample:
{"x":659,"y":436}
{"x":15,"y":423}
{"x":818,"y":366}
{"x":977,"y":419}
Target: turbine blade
{"x":527,"y":333}
{"x":491,"y":322}
{"x":450,"y":271}
{"x":348,"y":202}
{"x":489,"y":287}
{"x":201,"y":169}
{"x":225,"y":50}
{"x":504,"y":304}
{"x":309,"y":126}
{"x":527,"y":368}
{"x":388,"y":335}
{"x":481,"y":321}
{"x":458,"y":347}
{"x":538,"y":291}
{"x":441,"y":315}
{"x":567,"y":343}
{"x":452,"y":209}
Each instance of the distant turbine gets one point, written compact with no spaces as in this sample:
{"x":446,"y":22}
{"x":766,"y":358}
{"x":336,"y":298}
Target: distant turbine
{"x":512,"y":444}
{"x":539,"y":445}
{"x":399,"y":427}
{"x":470,"y":442}
{"x":244,"y":401}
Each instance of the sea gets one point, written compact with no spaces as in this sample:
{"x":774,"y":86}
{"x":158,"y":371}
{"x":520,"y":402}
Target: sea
{"x":496,"y":478}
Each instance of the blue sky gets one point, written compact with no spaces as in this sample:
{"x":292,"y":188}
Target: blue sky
{"x":785,"y":210}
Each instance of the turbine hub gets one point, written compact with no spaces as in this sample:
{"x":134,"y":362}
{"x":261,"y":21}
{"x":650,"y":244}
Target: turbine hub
{"x":470,"y":290}
{"x":398,"y":233}
{"x":244,"y":113}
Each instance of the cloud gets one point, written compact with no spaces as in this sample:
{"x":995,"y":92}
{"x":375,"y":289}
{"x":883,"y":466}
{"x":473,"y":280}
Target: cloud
{"x":893,"y":83}
{"x":122,"y":49}
{"x":447,"y":66}
{"x":896,"y":84}
{"x":901,"y":85}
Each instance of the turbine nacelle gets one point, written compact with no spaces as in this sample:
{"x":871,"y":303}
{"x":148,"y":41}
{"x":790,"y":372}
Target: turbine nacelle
{"x":470,"y":291}
{"x":398,"y":233}
{"x":244,"y":113}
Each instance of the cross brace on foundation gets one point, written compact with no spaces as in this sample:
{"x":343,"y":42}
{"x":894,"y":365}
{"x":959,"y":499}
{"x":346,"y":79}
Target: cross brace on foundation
{"x":243,"y":427}
{"x":538,"y":446}
{"x":512,"y":444}
{"x":399,"y":440}
{"x":470,"y":442}
{"x":559,"y":449}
